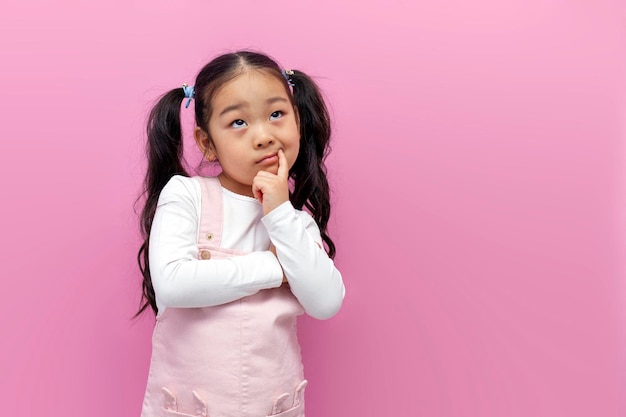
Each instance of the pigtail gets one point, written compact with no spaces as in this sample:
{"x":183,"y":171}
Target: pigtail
{"x":164,"y":151}
{"x":311,"y":188}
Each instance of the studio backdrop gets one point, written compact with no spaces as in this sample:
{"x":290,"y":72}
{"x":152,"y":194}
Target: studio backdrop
{"x":478,"y":199}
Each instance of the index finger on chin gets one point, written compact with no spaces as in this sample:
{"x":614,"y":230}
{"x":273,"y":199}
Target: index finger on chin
{"x":283,"y":165}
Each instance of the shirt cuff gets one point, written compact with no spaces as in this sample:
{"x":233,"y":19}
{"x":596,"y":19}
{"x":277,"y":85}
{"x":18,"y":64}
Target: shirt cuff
{"x":275,"y":216}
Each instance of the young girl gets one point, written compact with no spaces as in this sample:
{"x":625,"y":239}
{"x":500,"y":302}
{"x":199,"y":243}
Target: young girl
{"x":230,"y":261}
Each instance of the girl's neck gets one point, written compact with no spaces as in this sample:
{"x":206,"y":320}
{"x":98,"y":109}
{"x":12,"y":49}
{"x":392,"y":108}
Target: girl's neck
{"x":234,"y":186}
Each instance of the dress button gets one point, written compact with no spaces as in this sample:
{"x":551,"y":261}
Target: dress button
{"x":205,"y":254}
{"x":209,"y":236}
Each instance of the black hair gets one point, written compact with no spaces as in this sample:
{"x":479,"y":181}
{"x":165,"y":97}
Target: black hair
{"x":165,"y":145}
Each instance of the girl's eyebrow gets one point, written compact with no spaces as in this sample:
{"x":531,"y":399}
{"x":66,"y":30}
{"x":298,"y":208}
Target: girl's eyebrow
{"x":238,"y":106}
{"x":232,"y":107}
{"x":276,"y":99}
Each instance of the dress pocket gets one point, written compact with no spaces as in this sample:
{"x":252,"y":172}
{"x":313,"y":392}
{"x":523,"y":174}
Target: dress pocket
{"x":170,"y":405}
{"x":170,"y":413}
{"x":296,"y":409}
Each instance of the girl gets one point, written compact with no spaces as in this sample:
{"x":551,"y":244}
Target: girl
{"x":230,"y":261}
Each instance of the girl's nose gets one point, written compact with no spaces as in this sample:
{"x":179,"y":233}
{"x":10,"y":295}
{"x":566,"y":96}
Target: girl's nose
{"x":264,"y":143}
{"x":263,"y":138}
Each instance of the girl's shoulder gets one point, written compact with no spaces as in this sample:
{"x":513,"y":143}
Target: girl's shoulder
{"x":181,"y":188}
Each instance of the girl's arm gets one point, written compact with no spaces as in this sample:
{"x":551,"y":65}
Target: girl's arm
{"x":312,"y":275}
{"x":180,"y":279}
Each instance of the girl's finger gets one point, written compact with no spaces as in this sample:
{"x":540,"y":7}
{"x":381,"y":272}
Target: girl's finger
{"x":266,"y":174}
{"x":283,"y":165}
{"x":256,"y":192}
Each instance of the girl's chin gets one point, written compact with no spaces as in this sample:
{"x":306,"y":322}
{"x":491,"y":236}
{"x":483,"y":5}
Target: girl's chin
{"x":272,"y":169}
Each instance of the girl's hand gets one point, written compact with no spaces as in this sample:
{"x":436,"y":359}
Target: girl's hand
{"x":272,"y":189}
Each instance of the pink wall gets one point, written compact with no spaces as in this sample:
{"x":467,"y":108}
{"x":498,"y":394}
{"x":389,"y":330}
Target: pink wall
{"x":478,"y":166}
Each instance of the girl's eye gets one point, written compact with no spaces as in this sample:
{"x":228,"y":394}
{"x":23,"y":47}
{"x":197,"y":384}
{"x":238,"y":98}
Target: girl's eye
{"x":238,"y":123}
{"x":276,"y":115}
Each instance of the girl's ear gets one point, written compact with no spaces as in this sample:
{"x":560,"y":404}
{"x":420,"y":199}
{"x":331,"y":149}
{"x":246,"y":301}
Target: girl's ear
{"x":204,"y":143}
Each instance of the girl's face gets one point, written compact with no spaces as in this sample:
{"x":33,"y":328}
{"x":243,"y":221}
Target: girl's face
{"x":252,"y":119}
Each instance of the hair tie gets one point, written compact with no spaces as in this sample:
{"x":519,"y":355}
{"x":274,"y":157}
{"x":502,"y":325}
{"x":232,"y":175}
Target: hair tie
{"x":190,"y":93}
{"x":287,"y":75}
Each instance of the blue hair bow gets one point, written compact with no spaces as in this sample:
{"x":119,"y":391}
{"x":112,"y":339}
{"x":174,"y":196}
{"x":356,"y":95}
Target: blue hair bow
{"x":190,"y":93}
{"x":287,"y":75}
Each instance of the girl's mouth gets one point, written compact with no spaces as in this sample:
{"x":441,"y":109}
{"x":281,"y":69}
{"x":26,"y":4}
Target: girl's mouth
{"x":269,"y":159}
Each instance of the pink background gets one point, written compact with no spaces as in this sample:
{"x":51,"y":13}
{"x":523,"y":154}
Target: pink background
{"x":479,"y":207}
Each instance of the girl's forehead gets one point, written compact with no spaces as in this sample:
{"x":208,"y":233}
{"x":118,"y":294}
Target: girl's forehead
{"x":250,"y":83}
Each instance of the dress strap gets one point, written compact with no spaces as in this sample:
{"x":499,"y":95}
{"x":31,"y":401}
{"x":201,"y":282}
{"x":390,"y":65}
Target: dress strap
{"x":211,"y":212}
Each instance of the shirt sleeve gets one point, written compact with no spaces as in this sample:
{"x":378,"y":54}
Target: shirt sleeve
{"x":312,"y":275}
{"x":179,"y":278}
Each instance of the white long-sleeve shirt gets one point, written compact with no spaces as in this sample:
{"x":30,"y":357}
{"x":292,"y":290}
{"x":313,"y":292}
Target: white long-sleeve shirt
{"x":180,"y":279}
